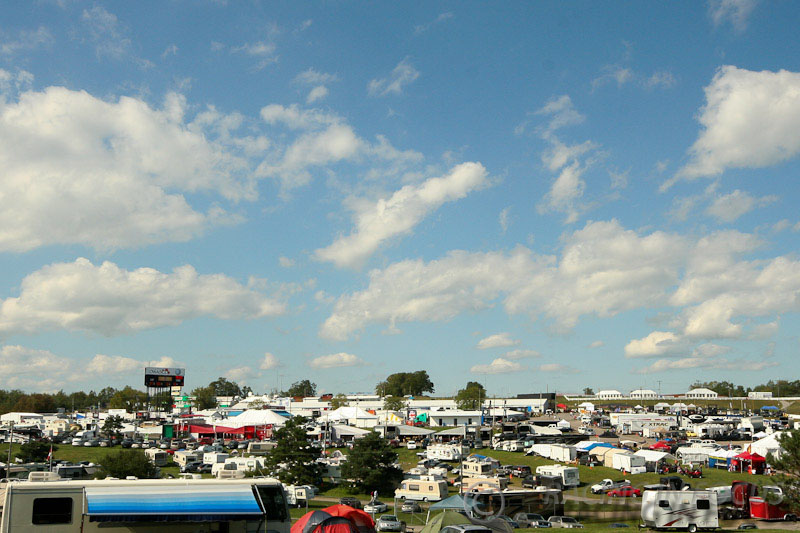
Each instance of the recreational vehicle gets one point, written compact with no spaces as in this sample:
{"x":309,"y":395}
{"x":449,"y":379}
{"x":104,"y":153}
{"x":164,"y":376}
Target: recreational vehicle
{"x":481,"y":484}
{"x":299,"y":495}
{"x":569,"y":474}
{"x":156,"y":456}
{"x":479,"y":465}
{"x":444,"y":452}
{"x":260,"y":448}
{"x":182,"y":457}
{"x":145,"y":506}
{"x":689,"y":509}
{"x":426,"y":488}
{"x":236,"y":464}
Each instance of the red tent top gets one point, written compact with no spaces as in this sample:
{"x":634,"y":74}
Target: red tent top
{"x":359,"y":518}
{"x":660,"y":445}
{"x":747,"y":456}
{"x":561,"y":405}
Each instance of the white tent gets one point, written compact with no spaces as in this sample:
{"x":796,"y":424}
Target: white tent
{"x":767,"y":445}
{"x":255,"y":417}
{"x":563,"y":423}
{"x":354,"y":416}
{"x":653,"y":456}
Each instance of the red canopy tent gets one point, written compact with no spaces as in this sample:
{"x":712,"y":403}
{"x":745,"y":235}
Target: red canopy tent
{"x":335,"y":519}
{"x":752,"y":462}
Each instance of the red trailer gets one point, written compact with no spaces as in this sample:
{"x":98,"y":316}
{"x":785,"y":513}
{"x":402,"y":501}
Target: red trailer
{"x":770,"y":506}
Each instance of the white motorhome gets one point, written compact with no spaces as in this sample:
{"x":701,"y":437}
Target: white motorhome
{"x":182,"y":457}
{"x":479,"y":465}
{"x":236,"y":464}
{"x":427,"y":489}
{"x":144,"y":506}
{"x":260,"y":448}
{"x":480,"y":484}
{"x":299,"y":495}
{"x":211,"y":458}
{"x":570,"y":475}
{"x":690,"y":509}
{"x":156,"y":456}
{"x":444,"y":452}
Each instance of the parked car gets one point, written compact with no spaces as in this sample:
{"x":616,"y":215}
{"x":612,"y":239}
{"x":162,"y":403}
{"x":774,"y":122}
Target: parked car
{"x":564,"y":521}
{"x":625,"y":492}
{"x":466,"y":528}
{"x":521,"y":471}
{"x":192,"y":467}
{"x":508,"y":520}
{"x":531,"y":520}
{"x":352,"y":502}
{"x":389,"y":522}
{"x":411,"y":445}
{"x":410,"y":506}
{"x":376,"y":507}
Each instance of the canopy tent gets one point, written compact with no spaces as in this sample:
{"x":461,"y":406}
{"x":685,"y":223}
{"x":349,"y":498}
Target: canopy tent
{"x":561,"y":406}
{"x":460,"y":431}
{"x":256,"y":417}
{"x":750,"y":462}
{"x":563,"y":424}
{"x":720,"y":458}
{"x":352,"y":415}
{"x":760,"y":435}
{"x":171,"y":503}
{"x":341,"y":431}
{"x":587,"y":445}
{"x":335,"y":519}
{"x":360,"y":519}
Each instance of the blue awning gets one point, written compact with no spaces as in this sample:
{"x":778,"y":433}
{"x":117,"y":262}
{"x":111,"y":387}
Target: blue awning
{"x":190,"y":503}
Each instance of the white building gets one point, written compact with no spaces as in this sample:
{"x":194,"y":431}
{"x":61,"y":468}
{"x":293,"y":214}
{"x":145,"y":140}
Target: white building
{"x":609,"y":395}
{"x":643,"y":394}
{"x":454,"y":417}
{"x":759,"y":395}
{"x":701,"y":393}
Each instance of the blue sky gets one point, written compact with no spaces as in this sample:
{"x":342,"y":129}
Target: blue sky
{"x":537,"y":196}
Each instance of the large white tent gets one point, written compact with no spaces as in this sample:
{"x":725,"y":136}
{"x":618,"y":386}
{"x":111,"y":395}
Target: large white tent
{"x":767,"y":445}
{"x":353,"y":416}
{"x":255,"y":417}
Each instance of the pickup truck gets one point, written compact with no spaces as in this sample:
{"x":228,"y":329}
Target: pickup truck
{"x":608,"y":484}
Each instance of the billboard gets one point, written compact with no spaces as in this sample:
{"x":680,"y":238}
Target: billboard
{"x":158,"y":377}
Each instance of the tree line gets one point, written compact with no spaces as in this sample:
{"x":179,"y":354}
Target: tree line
{"x":780,"y":387}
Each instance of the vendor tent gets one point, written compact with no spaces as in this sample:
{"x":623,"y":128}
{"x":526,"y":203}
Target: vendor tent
{"x":767,"y":445}
{"x":749,"y":462}
{"x":256,"y":417}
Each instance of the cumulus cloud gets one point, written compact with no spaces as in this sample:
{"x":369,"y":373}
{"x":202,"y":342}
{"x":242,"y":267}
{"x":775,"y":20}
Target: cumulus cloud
{"x":655,"y":344}
{"x":109,"y":300}
{"x":603,"y":270}
{"x":562,"y":113}
{"x":557,"y":368}
{"x":498,"y":340}
{"x":314,"y":77}
{"x":269,"y":362}
{"x":729,"y":207}
{"x":335,"y":360}
{"x":25,"y":40}
{"x":597,"y":344}
{"x":402,"y":75}
{"x":734,"y":12}
{"x":28,"y":368}
{"x":317,"y":93}
{"x":498,"y":366}
{"x":122,"y":165}
{"x":114,"y":364}
{"x":738,"y":103}
{"x":398,"y":214}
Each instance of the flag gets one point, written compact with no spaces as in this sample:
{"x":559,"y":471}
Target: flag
{"x":50,"y":454}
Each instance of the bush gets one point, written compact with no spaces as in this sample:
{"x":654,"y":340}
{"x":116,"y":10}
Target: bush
{"x":34,"y":451}
{"x":126,"y":463}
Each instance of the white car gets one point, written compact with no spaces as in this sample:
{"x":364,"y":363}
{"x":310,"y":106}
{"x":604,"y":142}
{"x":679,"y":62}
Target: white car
{"x":564,"y":521}
{"x":376,"y":507}
{"x":412,"y":445}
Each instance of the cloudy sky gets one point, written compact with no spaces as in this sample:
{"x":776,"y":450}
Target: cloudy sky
{"x":538,"y":196}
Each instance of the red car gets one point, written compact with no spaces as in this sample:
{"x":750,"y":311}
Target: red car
{"x":625,"y":492}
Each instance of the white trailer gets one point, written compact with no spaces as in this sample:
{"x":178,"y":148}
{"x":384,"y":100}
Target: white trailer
{"x":236,"y":464}
{"x":299,"y":495}
{"x":427,"y":488}
{"x":689,"y":509}
{"x":444,"y":452}
{"x":539,"y":449}
{"x":145,"y":505}
{"x":182,"y":457}
{"x":156,"y":456}
{"x":570,"y":475}
{"x":211,"y":458}
{"x":629,"y":462}
{"x":563,"y":452}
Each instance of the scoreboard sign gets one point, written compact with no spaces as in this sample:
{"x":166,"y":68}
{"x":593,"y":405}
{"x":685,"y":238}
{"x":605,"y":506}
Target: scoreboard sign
{"x":157,"y":377}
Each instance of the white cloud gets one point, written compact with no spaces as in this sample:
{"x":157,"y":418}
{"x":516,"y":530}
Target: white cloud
{"x":122,"y":165}
{"x":239,"y":374}
{"x":265,"y":52}
{"x":31,"y":369}
{"x":108,"y":300}
{"x":656,"y":344}
{"x":498,"y":340}
{"x":297,"y":118}
{"x":401,"y":76}
{"x":285,"y":262}
{"x":597,"y":344}
{"x":314,"y":77}
{"x":398,"y":214}
{"x":498,"y":366}
{"x":114,"y":364}
{"x":317,"y":93}
{"x":503,"y":218}
{"x":565,"y":191}
{"x":613,"y":73}
{"x":110,"y":39}
{"x":729,"y":207}
{"x":26,"y":40}
{"x":335,"y":360}
{"x":702,"y":362}
{"x":14,"y":81}
{"x":422,"y":28}
{"x":562,"y":114}
{"x":521,"y":354}
{"x":738,"y":103}
{"x":603,"y":270}
{"x":735,"y":12}
{"x":269,"y":362}
{"x":663,"y":79}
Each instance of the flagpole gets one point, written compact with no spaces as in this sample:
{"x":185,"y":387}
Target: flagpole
{"x":50,"y":457}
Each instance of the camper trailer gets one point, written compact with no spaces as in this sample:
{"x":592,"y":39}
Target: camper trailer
{"x":260,"y":448}
{"x":481,"y":484}
{"x":479,"y":465}
{"x":299,"y":495}
{"x":569,"y":474}
{"x":236,"y":464}
{"x":629,"y":462}
{"x":144,"y":506}
{"x":211,"y":458}
{"x":445,"y":452}
{"x":182,"y":457}
{"x":690,"y":509}
{"x":426,"y":488}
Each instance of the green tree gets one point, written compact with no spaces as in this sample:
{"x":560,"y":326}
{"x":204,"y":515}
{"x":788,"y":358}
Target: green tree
{"x":112,"y":426}
{"x":471,"y":397}
{"x":369,"y":466}
{"x":394,"y":403}
{"x":127,"y":463}
{"x":403,"y":383}
{"x":302,"y":388}
{"x":588,"y":391}
{"x":340,"y":400}
{"x":34,"y":451}
{"x":788,"y":466}
{"x":204,"y":398}
{"x":224,"y":387}
{"x":294,"y":460}
{"x":128,"y":398}
{"x":35,"y":403}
